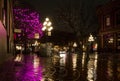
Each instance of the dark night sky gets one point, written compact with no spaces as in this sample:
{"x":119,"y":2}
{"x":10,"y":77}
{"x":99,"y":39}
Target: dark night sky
{"x":46,"y":7}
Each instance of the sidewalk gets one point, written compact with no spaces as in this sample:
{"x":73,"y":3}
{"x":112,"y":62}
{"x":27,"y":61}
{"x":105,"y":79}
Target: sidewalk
{"x":5,"y":57}
{"x":6,"y":67}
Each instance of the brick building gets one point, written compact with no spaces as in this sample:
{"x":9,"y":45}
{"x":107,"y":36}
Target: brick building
{"x":109,"y":20}
{"x":6,"y":27}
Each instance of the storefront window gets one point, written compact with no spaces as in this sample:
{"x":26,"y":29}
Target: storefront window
{"x":108,"y":41}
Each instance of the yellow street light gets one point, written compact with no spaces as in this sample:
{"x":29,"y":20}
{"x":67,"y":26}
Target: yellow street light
{"x":47,"y":26}
{"x":91,"y":38}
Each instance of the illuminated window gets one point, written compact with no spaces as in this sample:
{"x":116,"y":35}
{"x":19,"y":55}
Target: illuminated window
{"x":107,"y":21}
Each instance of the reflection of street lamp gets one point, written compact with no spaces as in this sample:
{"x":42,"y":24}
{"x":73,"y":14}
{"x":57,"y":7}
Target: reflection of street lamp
{"x":74,"y":46}
{"x":47,"y":27}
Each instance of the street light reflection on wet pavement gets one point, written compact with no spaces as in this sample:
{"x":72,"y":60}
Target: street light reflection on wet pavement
{"x":30,"y":70}
{"x":68,"y":67}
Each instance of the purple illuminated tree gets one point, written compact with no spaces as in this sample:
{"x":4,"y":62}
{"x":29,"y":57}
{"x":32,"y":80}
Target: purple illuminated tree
{"x":28,"y":21}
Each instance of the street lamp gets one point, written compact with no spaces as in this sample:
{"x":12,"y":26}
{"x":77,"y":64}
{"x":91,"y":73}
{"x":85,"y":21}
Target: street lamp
{"x":47,"y":26}
{"x":74,"y":44}
{"x":91,"y":39}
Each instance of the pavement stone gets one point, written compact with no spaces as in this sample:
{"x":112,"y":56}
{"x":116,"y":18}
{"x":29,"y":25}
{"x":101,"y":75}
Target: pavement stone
{"x":6,"y":66}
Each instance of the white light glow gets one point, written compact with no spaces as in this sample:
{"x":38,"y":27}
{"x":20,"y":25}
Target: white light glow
{"x":44,"y":28}
{"x":36,"y":43}
{"x":18,"y":58}
{"x":75,"y":44}
{"x":49,"y":23}
{"x":36,"y":63}
{"x":44,"y":23}
{"x":47,"y":26}
{"x":110,"y":40}
{"x":83,"y":60}
{"x":47,"y":19}
{"x":50,"y":28}
{"x":63,"y":59}
{"x":74,"y":61}
{"x":49,"y":33}
{"x":62,"y":52}
{"x":18,"y":47}
{"x":90,"y":39}
{"x":92,"y":68}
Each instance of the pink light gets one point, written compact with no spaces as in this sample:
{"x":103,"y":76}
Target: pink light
{"x":27,"y":19}
{"x":2,"y":31}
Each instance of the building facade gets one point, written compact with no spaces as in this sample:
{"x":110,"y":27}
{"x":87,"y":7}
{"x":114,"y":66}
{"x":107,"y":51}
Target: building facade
{"x":6,"y":27}
{"x":109,"y":20}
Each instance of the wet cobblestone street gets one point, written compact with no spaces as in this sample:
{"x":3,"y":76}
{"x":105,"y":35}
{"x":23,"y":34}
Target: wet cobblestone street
{"x":67,"y":67}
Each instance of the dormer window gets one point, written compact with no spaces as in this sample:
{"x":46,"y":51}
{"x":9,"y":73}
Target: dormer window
{"x":107,"y":20}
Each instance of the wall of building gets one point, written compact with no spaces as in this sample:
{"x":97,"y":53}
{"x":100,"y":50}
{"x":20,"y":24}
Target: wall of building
{"x":9,"y":26}
{"x":109,"y":26}
{"x":3,"y":39}
{"x":6,"y":29}
{"x":3,"y":35}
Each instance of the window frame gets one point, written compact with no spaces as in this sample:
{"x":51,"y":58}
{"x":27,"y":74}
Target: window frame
{"x":117,"y":12}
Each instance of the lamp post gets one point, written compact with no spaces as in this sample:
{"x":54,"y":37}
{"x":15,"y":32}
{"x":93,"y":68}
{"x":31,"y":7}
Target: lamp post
{"x":91,"y":39}
{"x":47,"y":27}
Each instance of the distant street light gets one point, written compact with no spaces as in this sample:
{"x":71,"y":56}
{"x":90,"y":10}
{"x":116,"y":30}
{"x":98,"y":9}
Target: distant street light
{"x":91,"y":38}
{"x":74,"y":44}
